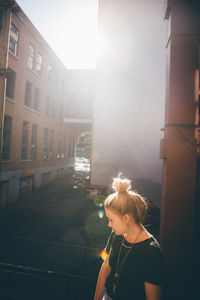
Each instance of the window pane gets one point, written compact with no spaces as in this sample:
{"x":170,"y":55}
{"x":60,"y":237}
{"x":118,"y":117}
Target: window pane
{"x":1,"y":20}
{"x":10,"y":85}
{"x":13,"y":44}
{"x":47,"y":105}
{"x":51,"y":145}
{"x":24,"y":153}
{"x":59,"y":146}
{"x":7,"y":137}
{"x":39,"y":64}
{"x":28,"y":94}
{"x":31,"y":51}
{"x":45,"y":143}
{"x":14,"y":29}
{"x":34,"y":142}
{"x":36,"y":99}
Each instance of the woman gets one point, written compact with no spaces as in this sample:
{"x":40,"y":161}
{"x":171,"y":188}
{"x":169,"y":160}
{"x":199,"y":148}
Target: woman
{"x":133,"y":268}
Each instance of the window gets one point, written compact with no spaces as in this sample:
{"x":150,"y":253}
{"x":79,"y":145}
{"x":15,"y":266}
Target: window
{"x":71,"y":146}
{"x":25,"y":133}
{"x":31,"y":53}
{"x":1,"y":21}
{"x":48,"y":105}
{"x":59,"y":147}
{"x":7,"y":137}
{"x":14,"y":37}
{"x":52,"y":77}
{"x":53,"y":108}
{"x":61,"y":113}
{"x":51,"y":145}
{"x":10,"y":85}
{"x":34,"y":142}
{"x":39,"y":64}
{"x":28,"y":94}
{"x":45,"y":149}
{"x":36,"y":99}
{"x":64,"y":145}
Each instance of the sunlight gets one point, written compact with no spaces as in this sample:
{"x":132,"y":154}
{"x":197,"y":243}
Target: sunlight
{"x":77,"y":41}
{"x":101,"y":45}
{"x":81,"y":43}
{"x":70,"y":28}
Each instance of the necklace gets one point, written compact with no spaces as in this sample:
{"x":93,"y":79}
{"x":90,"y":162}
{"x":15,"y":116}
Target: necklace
{"x":128,"y":247}
{"x":119,"y":266}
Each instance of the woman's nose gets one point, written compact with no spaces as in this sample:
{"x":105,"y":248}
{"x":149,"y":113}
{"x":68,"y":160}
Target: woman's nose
{"x":109,"y":224}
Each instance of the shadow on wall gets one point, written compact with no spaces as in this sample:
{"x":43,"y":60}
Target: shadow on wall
{"x":148,"y":189}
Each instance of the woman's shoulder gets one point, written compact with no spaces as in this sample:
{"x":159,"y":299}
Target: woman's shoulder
{"x":154,"y":250}
{"x":113,"y":240}
{"x":151,"y":245}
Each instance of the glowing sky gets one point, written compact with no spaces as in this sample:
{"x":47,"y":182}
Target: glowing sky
{"x":69,"y":26}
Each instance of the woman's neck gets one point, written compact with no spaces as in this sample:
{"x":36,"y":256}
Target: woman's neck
{"x":133,"y":233}
{"x":136,"y":233}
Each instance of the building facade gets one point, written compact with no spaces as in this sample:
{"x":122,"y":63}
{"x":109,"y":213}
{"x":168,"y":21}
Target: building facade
{"x":80,"y":91}
{"x":36,"y":144}
{"x":180,"y":213}
{"x":129,"y":103}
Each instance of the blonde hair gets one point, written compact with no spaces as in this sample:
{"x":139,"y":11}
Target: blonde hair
{"x":124,"y":201}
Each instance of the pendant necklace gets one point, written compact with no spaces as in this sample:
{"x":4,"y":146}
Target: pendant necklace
{"x":119,"y":266}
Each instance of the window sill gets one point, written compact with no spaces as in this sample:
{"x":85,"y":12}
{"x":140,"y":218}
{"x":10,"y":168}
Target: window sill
{"x":34,"y":72}
{"x":15,"y":56}
{"x":47,"y":159}
{"x":27,"y":160}
{"x":31,"y":109}
{"x":10,"y":100}
{"x":6,"y":161}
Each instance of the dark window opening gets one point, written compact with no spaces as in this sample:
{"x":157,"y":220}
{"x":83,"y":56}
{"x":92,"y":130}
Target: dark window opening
{"x":10,"y":85}
{"x":36,"y":99}
{"x":28,"y":93}
{"x":34,"y":142}
{"x":25,"y":132}
{"x":45,"y":148}
{"x":7,"y":137}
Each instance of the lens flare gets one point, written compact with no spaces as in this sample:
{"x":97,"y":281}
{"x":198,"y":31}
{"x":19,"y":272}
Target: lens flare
{"x":101,"y":214}
{"x":103,"y":254}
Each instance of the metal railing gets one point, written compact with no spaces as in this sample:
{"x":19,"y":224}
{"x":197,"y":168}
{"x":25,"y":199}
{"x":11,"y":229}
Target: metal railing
{"x":24,"y":283}
{"x":33,"y":269}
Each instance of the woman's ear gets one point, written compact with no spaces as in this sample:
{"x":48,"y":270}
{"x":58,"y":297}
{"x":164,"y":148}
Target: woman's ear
{"x":127,"y":218}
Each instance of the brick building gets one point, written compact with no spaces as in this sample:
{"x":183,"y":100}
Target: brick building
{"x":37,"y":145}
{"x":180,"y":213}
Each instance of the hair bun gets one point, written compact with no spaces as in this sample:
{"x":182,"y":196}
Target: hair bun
{"x":121,"y":185}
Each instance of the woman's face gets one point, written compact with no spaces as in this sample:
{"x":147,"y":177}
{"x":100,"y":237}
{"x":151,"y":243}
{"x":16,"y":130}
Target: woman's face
{"x":116,"y":222}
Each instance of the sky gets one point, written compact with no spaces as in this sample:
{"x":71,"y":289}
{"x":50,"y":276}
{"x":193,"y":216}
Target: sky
{"x":69,"y":27}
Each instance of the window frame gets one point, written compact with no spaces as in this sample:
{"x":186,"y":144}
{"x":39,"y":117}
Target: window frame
{"x":25,"y":140}
{"x":28,"y":94}
{"x":34,"y":142}
{"x":10,"y":84}
{"x":38,"y":68}
{"x":36,"y":100}
{"x":14,"y":38}
{"x":31,"y":57}
{"x":7,"y":138}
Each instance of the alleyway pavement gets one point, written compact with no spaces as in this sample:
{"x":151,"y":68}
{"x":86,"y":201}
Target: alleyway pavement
{"x":55,"y":228}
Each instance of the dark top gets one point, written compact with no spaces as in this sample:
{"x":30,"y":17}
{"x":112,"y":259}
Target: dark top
{"x":143,"y":263}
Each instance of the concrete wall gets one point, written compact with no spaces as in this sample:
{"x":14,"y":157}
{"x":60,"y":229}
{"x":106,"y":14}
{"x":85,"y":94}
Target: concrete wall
{"x":129,"y":107}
